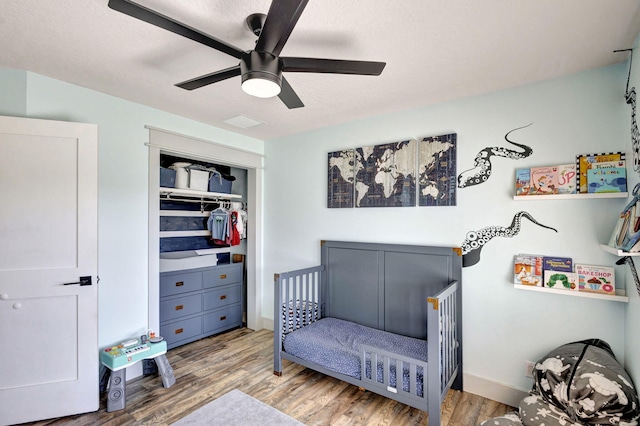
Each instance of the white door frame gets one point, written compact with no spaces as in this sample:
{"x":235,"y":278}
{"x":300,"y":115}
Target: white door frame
{"x":177,"y":144}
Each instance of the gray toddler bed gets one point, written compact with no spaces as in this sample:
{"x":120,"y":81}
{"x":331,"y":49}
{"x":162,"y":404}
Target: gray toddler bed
{"x":384,"y":317}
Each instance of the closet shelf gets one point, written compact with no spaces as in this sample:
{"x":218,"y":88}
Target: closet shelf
{"x":617,"y":298}
{"x":177,"y":194}
{"x":571,"y":196}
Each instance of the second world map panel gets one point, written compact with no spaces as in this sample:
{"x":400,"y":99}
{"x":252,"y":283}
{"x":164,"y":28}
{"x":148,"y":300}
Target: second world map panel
{"x":386,"y":175}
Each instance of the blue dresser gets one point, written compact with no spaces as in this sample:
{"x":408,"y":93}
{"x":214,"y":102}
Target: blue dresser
{"x":200,"y":302}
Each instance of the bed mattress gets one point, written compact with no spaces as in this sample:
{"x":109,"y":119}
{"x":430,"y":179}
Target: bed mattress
{"x":335,"y":344}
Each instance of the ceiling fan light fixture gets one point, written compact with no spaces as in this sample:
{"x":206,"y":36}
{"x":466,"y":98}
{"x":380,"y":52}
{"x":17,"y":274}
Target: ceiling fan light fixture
{"x":261,"y":74}
{"x":261,"y":85}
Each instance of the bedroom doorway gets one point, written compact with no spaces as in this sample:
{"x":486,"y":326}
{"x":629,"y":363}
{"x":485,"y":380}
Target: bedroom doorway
{"x":165,"y":142}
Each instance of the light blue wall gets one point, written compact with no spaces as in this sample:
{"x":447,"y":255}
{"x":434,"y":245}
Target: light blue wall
{"x":503,"y":326}
{"x":123,"y":187}
{"x":13,"y":86}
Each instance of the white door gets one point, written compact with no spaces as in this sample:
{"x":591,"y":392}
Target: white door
{"x":48,"y":238}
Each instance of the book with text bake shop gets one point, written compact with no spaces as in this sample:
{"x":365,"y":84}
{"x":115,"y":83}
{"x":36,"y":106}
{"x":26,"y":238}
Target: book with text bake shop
{"x":609,"y":176}
{"x":567,"y":179}
{"x":561,"y":280}
{"x":527,"y":270}
{"x":596,"y":279}
{"x":584,"y":162}
{"x":552,"y":263}
{"x":544,"y":180}
{"x":523,"y":181}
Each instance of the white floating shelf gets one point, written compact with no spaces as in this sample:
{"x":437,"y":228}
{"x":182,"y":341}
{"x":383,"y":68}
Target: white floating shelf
{"x":198,"y":194}
{"x":571,"y":196}
{"x":616,"y":298}
{"x":616,"y":251}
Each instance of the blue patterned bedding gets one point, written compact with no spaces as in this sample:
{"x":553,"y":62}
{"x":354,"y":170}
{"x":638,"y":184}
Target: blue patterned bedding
{"x":335,"y":345}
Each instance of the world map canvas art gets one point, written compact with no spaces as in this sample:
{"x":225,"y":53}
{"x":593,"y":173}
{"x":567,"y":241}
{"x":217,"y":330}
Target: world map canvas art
{"x":388,"y":175}
{"x":437,"y":170}
{"x":340,"y":189}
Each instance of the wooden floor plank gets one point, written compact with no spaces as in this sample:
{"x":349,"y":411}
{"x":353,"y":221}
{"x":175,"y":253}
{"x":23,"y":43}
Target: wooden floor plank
{"x":243,"y":359}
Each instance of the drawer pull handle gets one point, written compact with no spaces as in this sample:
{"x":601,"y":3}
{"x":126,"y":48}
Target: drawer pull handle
{"x":179,"y":283}
{"x":223,"y":318}
{"x":179,"y":307}
{"x":180,"y":330}
{"x":223,"y":276}
{"x":224,"y":296}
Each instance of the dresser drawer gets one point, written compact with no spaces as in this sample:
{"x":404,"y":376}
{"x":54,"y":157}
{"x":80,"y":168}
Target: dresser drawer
{"x":222,"y":275}
{"x":180,"y":306}
{"x":222,"y":296}
{"x":181,"y":330}
{"x":182,"y":282}
{"x":224,"y":318}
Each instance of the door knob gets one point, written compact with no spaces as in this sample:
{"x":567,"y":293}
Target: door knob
{"x":4,"y":296}
{"x":17,"y":305}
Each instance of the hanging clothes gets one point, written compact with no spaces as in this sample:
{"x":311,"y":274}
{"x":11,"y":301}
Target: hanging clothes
{"x":235,"y":235}
{"x":218,"y":225}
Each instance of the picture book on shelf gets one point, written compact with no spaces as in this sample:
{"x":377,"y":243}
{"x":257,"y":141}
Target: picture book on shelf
{"x":550,"y":263}
{"x":567,"y":179}
{"x":626,"y":233}
{"x":523,"y":181}
{"x":607,"y":179}
{"x":527,"y":270}
{"x":544,"y":180}
{"x":561,"y":280}
{"x":596,"y":279}
{"x":585,"y":162}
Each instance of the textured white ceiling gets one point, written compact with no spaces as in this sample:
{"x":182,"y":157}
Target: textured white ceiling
{"x":435,"y":50}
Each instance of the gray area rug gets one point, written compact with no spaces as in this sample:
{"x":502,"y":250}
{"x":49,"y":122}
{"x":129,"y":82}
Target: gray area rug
{"x":237,"y":408}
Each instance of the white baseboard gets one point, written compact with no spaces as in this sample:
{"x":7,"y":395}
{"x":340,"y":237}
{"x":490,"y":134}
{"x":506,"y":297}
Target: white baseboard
{"x":493,"y":390}
{"x":267,"y":323}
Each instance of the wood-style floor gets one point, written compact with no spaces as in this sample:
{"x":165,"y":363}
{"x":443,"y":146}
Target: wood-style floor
{"x":243,"y":359}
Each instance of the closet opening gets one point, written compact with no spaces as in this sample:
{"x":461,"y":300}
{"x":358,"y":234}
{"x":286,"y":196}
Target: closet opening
{"x":201,"y":281}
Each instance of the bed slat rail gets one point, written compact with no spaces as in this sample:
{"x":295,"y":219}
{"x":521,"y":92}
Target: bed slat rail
{"x":297,"y":297}
{"x":387,"y":379}
{"x":442,"y":344}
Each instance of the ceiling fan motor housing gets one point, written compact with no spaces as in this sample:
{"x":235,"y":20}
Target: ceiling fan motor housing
{"x":261,"y":65}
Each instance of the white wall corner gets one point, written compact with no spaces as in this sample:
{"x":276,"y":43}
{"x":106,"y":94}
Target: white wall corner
{"x":267,"y":323}
{"x":493,"y":390}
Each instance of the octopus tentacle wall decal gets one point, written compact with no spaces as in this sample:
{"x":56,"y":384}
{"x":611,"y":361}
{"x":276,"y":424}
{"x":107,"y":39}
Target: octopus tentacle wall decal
{"x":630,"y":98}
{"x":482,"y":164}
{"x":475,"y":240}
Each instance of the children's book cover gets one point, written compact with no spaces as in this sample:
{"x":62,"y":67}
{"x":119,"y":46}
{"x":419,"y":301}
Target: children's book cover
{"x":608,"y":179}
{"x":561,"y":280}
{"x":567,"y":179}
{"x":584,"y":163}
{"x":544,"y":180}
{"x":523,"y":181}
{"x":596,"y":279}
{"x":564,"y":264}
{"x":527,"y":270}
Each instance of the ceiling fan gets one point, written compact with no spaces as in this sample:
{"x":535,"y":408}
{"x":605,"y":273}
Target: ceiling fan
{"x":261,"y":69}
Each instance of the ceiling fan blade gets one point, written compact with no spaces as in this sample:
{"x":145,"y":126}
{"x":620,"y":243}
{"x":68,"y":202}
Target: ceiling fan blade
{"x":147,"y":15}
{"x":288,"y":96}
{"x":281,"y":18}
{"x":332,"y":66}
{"x":214,"y":77}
